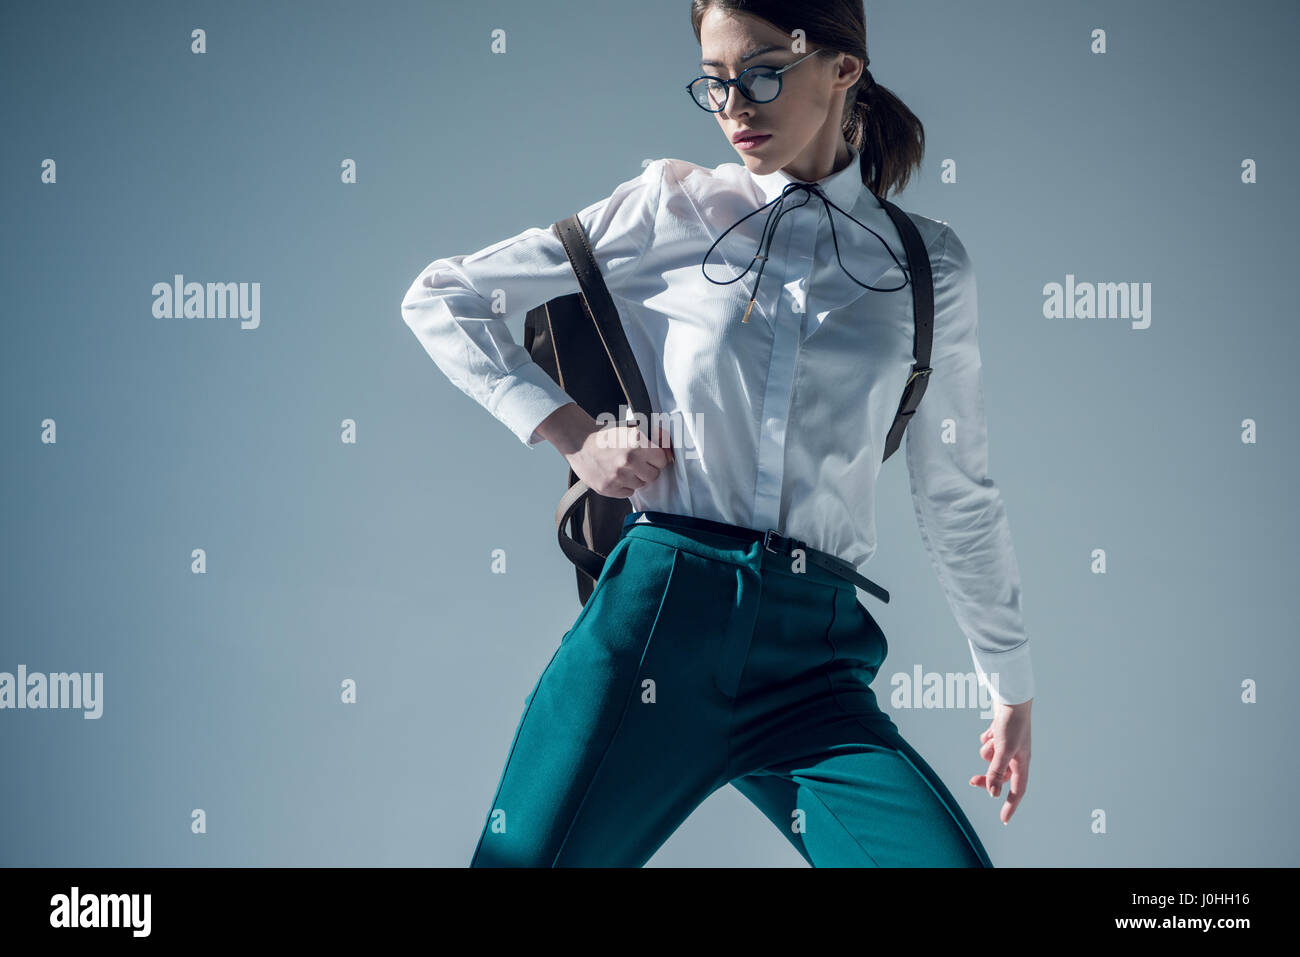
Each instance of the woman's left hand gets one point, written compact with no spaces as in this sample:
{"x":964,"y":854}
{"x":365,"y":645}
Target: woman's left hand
{"x":1005,"y":745}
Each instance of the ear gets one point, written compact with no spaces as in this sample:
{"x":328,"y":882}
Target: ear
{"x":848,"y":70}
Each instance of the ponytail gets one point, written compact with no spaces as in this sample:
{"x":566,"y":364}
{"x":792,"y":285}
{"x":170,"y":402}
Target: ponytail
{"x":889,"y":138}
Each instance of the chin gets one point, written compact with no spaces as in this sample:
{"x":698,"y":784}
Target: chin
{"x":759,"y":164}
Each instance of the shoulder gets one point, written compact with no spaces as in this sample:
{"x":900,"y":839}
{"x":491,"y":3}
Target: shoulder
{"x":949,"y":260}
{"x":684,"y":176}
{"x":952,"y":277}
{"x":935,"y":233}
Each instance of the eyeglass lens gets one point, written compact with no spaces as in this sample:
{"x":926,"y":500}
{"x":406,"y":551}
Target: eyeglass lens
{"x":760,"y":84}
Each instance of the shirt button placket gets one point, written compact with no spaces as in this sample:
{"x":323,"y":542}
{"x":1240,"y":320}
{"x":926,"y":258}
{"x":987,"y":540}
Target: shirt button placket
{"x":786,"y":334}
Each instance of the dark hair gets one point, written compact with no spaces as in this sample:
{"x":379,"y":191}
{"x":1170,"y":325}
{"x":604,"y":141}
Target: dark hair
{"x":890,"y":140}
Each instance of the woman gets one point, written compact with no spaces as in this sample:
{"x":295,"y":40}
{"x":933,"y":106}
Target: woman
{"x":703,"y":657}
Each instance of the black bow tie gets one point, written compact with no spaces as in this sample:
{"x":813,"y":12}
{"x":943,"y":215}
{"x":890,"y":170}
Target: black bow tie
{"x":769,"y":230}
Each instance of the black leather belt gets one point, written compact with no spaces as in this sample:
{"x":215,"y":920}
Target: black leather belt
{"x":771,"y":539}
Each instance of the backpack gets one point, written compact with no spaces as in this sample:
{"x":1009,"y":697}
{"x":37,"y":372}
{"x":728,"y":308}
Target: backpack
{"x":600,"y":373}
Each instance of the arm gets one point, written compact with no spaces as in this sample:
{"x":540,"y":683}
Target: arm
{"x":459,"y":306}
{"x":958,"y":507}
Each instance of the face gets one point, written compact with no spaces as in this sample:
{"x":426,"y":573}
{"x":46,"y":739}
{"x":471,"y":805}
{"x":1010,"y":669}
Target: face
{"x":802,"y":126}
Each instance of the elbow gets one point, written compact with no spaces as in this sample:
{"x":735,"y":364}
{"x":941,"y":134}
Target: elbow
{"x":411,"y":301}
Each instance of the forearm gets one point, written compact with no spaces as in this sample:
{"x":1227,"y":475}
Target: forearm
{"x":567,"y":428}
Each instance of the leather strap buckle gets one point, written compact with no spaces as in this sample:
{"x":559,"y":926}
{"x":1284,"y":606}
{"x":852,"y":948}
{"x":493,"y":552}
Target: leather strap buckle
{"x":774,"y":541}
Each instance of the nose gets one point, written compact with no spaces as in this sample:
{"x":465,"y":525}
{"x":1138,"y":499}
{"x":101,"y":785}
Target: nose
{"x":743,"y":106}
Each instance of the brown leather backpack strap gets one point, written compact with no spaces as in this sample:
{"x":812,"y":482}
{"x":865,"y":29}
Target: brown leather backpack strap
{"x":603,"y":312}
{"x":590,"y":561}
{"x":604,"y":315}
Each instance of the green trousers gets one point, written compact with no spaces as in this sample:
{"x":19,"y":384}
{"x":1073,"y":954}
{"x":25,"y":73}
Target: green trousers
{"x":699,"y":661}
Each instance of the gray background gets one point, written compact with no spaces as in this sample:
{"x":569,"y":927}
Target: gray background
{"x":372,"y":561}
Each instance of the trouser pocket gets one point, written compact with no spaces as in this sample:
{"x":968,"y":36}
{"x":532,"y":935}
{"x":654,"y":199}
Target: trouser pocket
{"x":858,"y":649}
{"x":614,"y":563}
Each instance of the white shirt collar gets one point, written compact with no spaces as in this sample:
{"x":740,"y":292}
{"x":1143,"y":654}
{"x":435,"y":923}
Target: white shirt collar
{"x":842,"y":188}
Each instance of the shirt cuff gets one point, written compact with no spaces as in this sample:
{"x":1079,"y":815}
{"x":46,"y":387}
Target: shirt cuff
{"x":524,"y":398}
{"x":1009,"y":675}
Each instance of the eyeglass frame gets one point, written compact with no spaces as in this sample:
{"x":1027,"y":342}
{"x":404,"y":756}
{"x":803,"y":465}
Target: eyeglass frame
{"x":727,"y":84}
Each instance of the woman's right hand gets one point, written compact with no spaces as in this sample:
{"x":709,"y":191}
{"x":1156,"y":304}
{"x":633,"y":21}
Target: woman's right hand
{"x":614,"y":460}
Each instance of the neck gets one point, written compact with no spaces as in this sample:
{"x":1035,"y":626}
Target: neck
{"x":824,"y":156}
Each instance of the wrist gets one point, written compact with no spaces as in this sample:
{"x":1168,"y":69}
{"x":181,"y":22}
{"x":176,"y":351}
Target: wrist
{"x":567,"y":428}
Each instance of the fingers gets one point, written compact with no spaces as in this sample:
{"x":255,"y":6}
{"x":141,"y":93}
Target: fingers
{"x":632,"y":476}
{"x":645,"y":459}
{"x":987,"y":781}
{"x":986,"y":754}
{"x":997,"y":772}
{"x":1016,"y":788}
{"x":664,"y":442}
{"x":644,"y":471}
{"x":1014,"y":772}
{"x":657,"y":438}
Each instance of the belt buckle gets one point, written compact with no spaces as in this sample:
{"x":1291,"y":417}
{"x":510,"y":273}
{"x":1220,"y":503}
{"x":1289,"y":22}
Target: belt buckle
{"x":767,"y":541}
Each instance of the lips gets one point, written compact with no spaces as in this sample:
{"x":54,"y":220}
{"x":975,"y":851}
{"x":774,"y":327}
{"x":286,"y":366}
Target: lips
{"x":749,"y":136}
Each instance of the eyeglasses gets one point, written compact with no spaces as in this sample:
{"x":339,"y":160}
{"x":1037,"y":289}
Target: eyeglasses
{"x":761,"y":84}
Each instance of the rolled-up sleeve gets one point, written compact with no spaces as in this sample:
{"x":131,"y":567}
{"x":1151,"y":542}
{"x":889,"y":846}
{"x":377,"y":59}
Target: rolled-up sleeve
{"x":459,"y":306}
{"x":959,"y":509}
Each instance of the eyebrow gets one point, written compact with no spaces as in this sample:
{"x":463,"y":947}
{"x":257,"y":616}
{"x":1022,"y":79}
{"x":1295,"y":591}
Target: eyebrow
{"x":757,"y":51}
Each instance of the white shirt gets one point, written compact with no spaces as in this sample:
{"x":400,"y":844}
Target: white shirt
{"x":781,"y":421}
